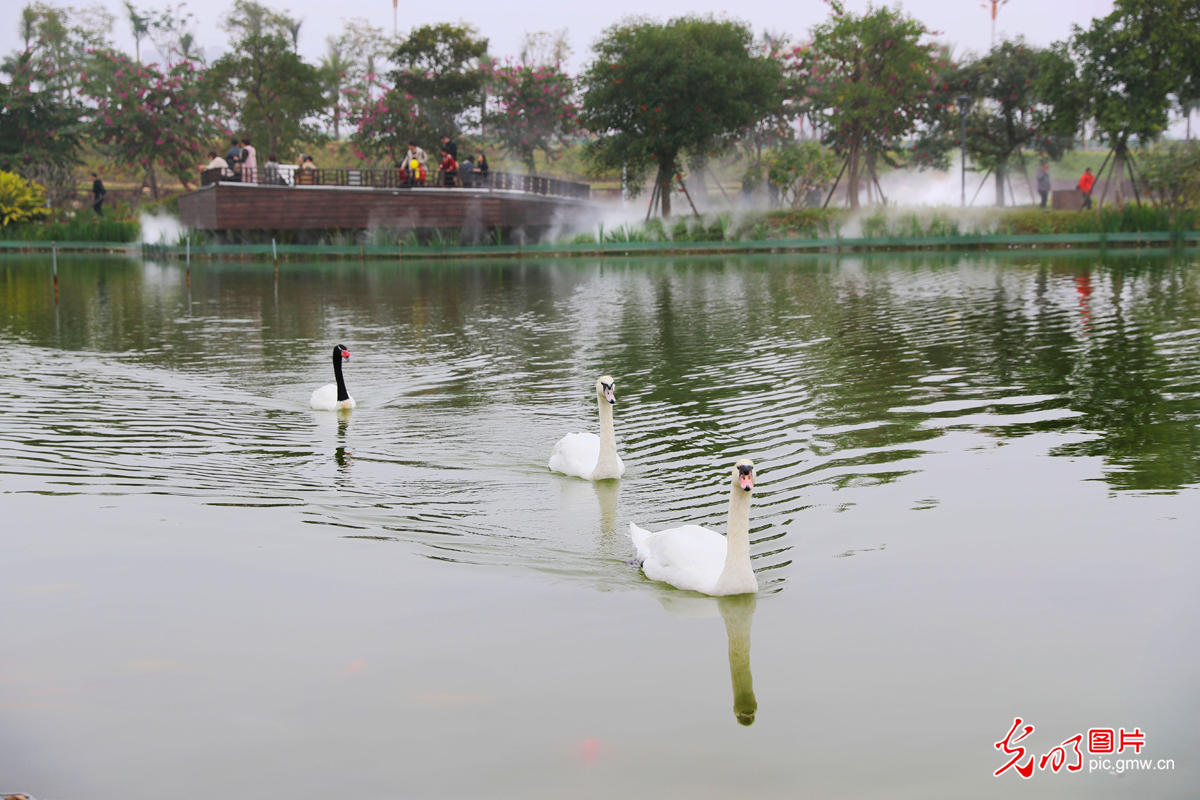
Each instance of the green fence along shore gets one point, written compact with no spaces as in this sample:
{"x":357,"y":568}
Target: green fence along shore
{"x":970,"y":242}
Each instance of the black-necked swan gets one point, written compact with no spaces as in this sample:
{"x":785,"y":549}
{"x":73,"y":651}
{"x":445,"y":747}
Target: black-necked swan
{"x":333,"y":396}
{"x":699,"y":560}
{"x":586,"y":455}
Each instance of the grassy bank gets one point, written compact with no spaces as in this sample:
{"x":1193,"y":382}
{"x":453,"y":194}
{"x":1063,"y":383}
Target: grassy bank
{"x":811,"y":223}
{"x":81,"y":225}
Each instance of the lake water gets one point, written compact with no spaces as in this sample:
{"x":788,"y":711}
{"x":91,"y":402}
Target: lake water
{"x":976,"y":501}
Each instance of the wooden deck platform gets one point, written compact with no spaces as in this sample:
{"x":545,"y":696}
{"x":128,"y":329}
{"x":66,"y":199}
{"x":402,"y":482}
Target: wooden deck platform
{"x":247,"y":207}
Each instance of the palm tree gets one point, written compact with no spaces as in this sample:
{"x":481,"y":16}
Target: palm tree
{"x":293,"y":26}
{"x":29,"y":19}
{"x":140,"y":25}
{"x":333,"y":75}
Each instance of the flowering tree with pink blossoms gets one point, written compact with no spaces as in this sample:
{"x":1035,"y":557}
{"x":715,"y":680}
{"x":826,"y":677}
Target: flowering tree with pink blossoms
{"x":384,"y":126}
{"x":149,"y":117}
{"x":534,"y":109}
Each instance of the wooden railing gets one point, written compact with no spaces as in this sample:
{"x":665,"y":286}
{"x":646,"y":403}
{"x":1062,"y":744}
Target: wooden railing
{"x":290,"y":175}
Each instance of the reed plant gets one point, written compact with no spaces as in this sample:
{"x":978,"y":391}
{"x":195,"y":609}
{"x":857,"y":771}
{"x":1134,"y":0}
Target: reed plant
{"x":83,"y":225}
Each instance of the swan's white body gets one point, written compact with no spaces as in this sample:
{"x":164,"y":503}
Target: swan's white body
{"x":325,"y":399}
{"x":586,"y":455}
{"x":333,"y":396}
{"x":700,"y":560}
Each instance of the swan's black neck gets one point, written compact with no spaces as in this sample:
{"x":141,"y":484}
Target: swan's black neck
{"x":337,"y":373}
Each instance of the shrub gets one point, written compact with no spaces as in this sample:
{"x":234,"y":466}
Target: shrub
{"x":20,"y":200}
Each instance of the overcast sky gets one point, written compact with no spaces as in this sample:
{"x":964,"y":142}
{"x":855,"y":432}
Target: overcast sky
{"x":965,"y":23}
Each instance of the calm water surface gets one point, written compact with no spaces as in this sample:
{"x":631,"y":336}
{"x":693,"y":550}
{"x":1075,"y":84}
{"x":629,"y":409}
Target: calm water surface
{"x":976,"y":501}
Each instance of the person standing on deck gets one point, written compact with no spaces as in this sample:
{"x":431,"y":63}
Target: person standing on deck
{"x":1086,"y":182}
{"x":417,"y":153}
{"x":466,"y":172}
{"x":450,"y":147}
{"x":449,"y":169}
{"x":234,"y":153}
{"x":98,"y":193}
{"x":1043,"y":182}
{"x":249,"y":162}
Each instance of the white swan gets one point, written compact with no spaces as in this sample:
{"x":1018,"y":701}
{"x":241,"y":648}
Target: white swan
{"x":701,"y":560}
{"x":333,"y":396}
{"x":586,"y":455}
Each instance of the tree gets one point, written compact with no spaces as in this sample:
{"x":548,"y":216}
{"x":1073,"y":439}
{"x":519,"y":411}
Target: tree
{"x":139,"y":25}
{"x":656,"y":93}
{"x":333,"y":83}
{"x":63,"y":40}
{"x":799,"y":168}
{"x":265,"y":88}
{"x":384,"y":128}
{"x":1171,"y":175}
{"x":39,"y":131}
{"x":776,"y":126}
{"x":1010,"y":113}
{"x":1128,"y":68}
{"x":534,"y":109}
{"x":871,"y":78}
{"x":149,"y":117}
{"x":437,"y":73}
{"x":350,"y":71}
{"x":35,"y":124}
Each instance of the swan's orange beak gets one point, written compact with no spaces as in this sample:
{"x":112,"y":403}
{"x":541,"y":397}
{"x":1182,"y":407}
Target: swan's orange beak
{"x":610,"y":394}
{"x":745,"y":476}
{"x":345,"y":355}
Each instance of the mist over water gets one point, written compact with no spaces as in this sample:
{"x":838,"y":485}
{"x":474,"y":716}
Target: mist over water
{"x":957,"y":456}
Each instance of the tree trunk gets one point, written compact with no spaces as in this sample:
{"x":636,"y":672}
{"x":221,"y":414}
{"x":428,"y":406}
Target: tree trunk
{"x":153,"y":182}
{"x":1117,"y":178}
{"x":664,"y":190}
{"x":852,"y":175}
{"x":697,"y":184}
{"x":1000,"y":186}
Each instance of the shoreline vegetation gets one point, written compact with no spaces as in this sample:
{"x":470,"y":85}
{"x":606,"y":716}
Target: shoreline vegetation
{"x":794,"y":228}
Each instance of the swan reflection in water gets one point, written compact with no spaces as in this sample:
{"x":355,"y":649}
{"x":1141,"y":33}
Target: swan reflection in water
{"x":738,"y":613}
{"x":339,"y":454}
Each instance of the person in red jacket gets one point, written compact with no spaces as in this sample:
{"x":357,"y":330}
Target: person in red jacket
{"x":449,"y":169}
{"x":1086,"y":182}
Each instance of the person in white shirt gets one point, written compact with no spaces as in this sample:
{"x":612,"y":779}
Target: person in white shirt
{"x":218,"y":163}
{"x":417,"y":153}
{"x":249,"y":162}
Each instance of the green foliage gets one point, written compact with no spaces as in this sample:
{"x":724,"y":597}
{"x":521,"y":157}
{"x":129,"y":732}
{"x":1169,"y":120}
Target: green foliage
{"x":147,"y":117}
{"x":1125,"y":70}
{"x":871,"y":78}
{"x":37,"y":126}
{"x":1010,"y":115}
{"x":1171,"y":174}
{"x":799,"y":168}
{"x":59,"y":41}
{"x":264,"y":88}
{"x":801,"y":223}
{"x":534,"y":109}
{"x":78,"y":226}
{"x":655,"y":92}
{"x":20,"y":200}
{"x":1129,"y":219}
{"x":437,"y":70}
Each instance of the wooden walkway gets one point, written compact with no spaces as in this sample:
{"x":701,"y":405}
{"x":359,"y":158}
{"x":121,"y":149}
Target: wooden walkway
{"x":359,"y":201}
